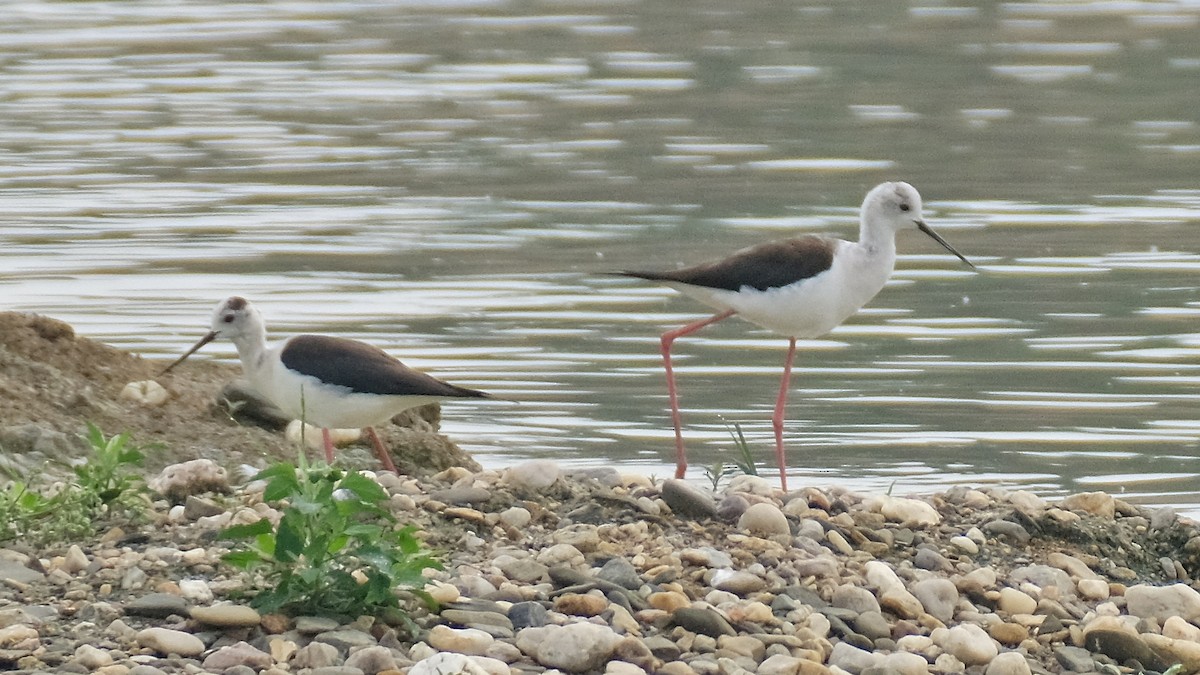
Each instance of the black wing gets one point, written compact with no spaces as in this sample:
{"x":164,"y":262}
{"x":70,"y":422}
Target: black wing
{"x":364,"y":369}
{"x":771,"y":265}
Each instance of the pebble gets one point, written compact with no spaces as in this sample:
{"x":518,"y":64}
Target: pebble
{"x":966,"y":642}
{"x":92,"y":658}
{"x":763,"y":519}
{"x":237,"y":654}
{"x":459,"y":640}
{"x":1008,"y":663}
{"x":167,"y":641}
{"x":537,"y":474}
{"x":315,"y":655}
{"x":444,"y":663}
{"x":938,"y":597}
{"x":687,"y":501}
{"x":226,"y":615}
{"x":702,"y":620}
{"x":576,"y":647}
{"x":1013,"y":601}
{"x":1096,"y":503}
{"x":371,"y":660}
{"x":157,"y":605}
{"x":580,"y":604}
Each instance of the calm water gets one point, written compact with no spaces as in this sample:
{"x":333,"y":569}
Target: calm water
{"x":449,"y":178}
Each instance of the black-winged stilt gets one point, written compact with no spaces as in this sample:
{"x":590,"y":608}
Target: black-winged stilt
{"x":800,"y":288}
{"x":330,"y":382}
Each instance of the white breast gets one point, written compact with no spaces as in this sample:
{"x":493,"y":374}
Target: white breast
{"x":812,"y":307}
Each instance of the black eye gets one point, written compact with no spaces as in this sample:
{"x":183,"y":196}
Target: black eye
{"x":228,"y":318}
{"x":904,"y":207}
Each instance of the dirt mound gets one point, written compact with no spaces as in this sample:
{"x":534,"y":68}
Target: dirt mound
{"x":53,"y":382}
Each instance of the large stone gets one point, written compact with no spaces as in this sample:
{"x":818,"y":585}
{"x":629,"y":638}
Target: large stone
{"x":459,"y":640}
{"x":854,"y":598}
{"x":1013,"y":601}
{"x":193,"y":477}
{"x":575,"y":648}
{"x":1163,"y":602}
{"x":372,"y":660}
{"x":447,"y":663}
{"x":1185,"y":652}
{"x":687,"y":501}
{"x":968,"y":643}
{"x":1122,"y":646}
{"x":702,"y":620}
{"x":851,"y":659}
{"x":763,"y":519}
{"x":238,"y":654}
{"x":1096,"y":503}
{"x":938,"y":596}
{"x":1008,"y":663}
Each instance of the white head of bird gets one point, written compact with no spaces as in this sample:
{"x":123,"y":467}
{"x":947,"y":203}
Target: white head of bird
{"x":891,"y":207}
{"x":236,"y":320}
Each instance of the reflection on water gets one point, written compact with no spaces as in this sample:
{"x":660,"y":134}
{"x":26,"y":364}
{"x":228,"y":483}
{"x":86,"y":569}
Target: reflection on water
{"x":450,"y":179}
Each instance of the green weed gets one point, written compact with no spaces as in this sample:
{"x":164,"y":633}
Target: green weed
{"x":336,"y":550}
{"x":107,"y":487}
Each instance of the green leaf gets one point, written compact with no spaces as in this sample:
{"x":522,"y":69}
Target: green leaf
{"x":364,"y":488}
{"x":247,"y":531}
{"x":242,"y":559}
{"x":289,"y":539}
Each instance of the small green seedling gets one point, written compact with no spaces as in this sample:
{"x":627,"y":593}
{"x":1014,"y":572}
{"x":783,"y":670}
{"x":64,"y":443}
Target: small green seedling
{"x":336,"y":550}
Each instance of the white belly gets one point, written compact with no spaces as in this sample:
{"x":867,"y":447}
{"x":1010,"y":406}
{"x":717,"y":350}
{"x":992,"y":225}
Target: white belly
{"x":809,"y":308}
{"x":323,"y":405}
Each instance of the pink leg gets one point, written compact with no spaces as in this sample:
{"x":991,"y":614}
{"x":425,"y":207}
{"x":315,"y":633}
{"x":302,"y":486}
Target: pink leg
{"x":328,"y":440}
{"x":668,"y":338}
{"x":381,"y":452}
{"x":780,"y":405}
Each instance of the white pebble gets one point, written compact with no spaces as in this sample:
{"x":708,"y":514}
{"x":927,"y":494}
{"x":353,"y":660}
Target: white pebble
{"x":145,"y":392}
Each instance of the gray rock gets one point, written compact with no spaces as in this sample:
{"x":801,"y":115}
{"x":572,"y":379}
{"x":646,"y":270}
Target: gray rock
{"x":145,"y":670}
{"x":311,"y":625}
{"x":1122,"y":647}
{"x":240,"y":670}
{"x":524,"y":570}
{"x":195,"y":508}
{"x":1007,"y":529}
{"x":938,"y":596}
{"x":462,"y":495}
{"x":929,"y":559}
{"x":470,"y":618}
{"x":157,"y":605}
{"x":1043,"y":576}
{"x":703,"y":621}
{"x":873,"y":625}
{"x":663,"y":648}
{"x":1075,"y":659}
{"x":239,"y":654}
{"x":687,"y":501}
{"x":315,"y":655}
{"x":732,"y":507}
{"x":371,"y":660}
{"x":851,"y":659}
{"x":346,"y":639}
{"x":527,"y":615}
{"x":335,"y":670}
{"x":622,"y":573}
{"x":604,"y":475}
{"x":16,"y":572}
{"x":1163,"y":602}
{"x":854,"y":598}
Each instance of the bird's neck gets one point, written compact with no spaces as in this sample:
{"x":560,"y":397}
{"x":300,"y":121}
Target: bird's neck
{"x":251,"y":351}
{"x":874,"y":241}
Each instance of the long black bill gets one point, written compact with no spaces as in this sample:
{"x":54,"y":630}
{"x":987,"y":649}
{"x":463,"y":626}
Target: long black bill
{"x":936,"y":237}
{"x":212,"y":335}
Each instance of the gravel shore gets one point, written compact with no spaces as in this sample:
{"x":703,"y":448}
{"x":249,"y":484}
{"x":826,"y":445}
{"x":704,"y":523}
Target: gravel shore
{"x":598,"y":572}
{"x":580,"y":572}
